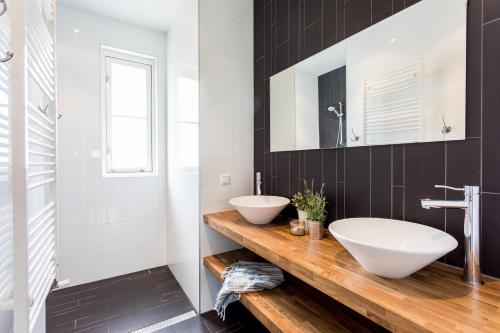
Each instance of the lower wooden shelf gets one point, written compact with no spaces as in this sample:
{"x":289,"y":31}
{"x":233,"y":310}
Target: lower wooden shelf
{"x":294,"y":306}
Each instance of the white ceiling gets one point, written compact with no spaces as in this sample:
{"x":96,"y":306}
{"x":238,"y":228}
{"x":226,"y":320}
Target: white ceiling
{"x":152,"y":14}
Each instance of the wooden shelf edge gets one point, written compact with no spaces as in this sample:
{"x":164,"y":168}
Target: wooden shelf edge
{"x":293,"y":306}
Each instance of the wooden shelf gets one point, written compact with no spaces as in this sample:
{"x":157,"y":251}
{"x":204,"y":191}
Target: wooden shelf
{"x":435,"y":299}
{"x":293,"y":306}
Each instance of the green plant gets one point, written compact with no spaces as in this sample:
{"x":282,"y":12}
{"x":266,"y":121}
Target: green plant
{"x":300,"y":200}
{"x":316,"y":205}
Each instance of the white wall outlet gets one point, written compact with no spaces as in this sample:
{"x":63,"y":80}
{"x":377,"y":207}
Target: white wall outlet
{"x":225,"y":179}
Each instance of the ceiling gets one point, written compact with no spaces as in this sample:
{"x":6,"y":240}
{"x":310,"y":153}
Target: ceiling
{"x":152,"y":14}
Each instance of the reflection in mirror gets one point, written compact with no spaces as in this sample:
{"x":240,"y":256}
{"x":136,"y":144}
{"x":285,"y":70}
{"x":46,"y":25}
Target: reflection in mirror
{"x":401,"y":80}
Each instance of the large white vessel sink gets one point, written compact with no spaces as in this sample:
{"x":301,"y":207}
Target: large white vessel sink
{"x":259,"y":209}
{"x":390,"y":248}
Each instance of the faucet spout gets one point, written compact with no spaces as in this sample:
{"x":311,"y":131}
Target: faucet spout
{"x":472,"y":271}
{"x":428,"y":204}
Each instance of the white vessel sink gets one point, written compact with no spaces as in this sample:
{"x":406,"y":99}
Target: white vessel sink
{"x":390,"y":248}
{"x":259,"y":209}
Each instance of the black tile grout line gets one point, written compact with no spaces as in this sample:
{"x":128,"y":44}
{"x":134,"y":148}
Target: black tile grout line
{"x":481,"y":149}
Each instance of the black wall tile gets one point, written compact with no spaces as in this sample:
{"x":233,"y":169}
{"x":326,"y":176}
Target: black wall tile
{"x":340,"y":20}
{"x":424,"y":168}
{"x":295,"y":173}
{"x":340,"y":165}
{"x":490,"y":225}
{"x":491,"y":10}
{"x":282,"y":173}
{"x":357,"y":16}
{"x":267,"y":184}
{"x":491,"y":107}
{"x":398,"y":196}
{"x":269,"y":39}
{"x":313,"y":11}
{"x":312,"y":39}
{"x":357,"y":182}
{"x":474,"y":63}
{"x":381,"y":186}
{"x":408,"y":3}
{"x":329,"y":178}
{"x":398,"y":153}
{"x":259,"y":93}
{"x":463,"y":160}
{"x":313,"y":168}
{"x":313,"y":25}
{"x":281,"y":15}
{"x":340,"y":203}
{"x":259,"y":32}
{"x":294,"y":28}
{"x":329,"y":23}
{"x":259,"y":158}
{"x":381,"y":10}
{"x":281,"y":55}
{"x":398,"y":5}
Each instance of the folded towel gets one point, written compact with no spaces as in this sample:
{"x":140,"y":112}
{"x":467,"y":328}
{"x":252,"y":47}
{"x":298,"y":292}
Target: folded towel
{"x":243,"y":277}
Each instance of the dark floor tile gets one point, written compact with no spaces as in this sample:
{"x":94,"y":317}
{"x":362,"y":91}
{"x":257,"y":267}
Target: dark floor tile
{"x":491,"y":105}
{"x":193,"y":325}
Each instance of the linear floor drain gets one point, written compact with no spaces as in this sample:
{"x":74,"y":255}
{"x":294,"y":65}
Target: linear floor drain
{"x":169,"y":322}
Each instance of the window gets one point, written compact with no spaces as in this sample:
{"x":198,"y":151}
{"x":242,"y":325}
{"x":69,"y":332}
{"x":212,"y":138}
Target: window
{"x":129,"y":104}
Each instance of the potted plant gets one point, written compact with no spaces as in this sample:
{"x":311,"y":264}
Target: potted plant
{"x":300,"y":201}
{"x":316,"y":214}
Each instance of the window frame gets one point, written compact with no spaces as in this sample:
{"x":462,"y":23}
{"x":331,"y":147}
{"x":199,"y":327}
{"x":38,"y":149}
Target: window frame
{"x":116,"y":55}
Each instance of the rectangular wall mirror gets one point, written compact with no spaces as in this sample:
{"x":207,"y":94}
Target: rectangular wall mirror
{"x":399,"y":81}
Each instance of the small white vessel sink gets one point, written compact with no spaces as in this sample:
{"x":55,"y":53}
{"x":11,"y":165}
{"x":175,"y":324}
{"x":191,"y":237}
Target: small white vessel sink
{"x":259,"y":209}
{"x":390,"y":248}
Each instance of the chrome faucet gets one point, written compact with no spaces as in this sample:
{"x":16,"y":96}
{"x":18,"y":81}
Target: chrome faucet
{"x":472,"y":270}
{"x":258,"y":182}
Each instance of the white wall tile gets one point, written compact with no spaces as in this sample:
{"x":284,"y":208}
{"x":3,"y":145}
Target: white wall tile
{"x":107,"y":226}
{"x":226,"y":119}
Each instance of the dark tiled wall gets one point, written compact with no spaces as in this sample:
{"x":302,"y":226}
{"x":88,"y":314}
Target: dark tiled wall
{"x":332,"y":93}
{"x":385,"y":181}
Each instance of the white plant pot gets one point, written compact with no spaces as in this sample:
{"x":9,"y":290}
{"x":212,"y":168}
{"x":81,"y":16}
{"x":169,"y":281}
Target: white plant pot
{"x":302,"y":215}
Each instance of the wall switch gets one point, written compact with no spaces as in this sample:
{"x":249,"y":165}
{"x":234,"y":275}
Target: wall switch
{"x":225,"y":179}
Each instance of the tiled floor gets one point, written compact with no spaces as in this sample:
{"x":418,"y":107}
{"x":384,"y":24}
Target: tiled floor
{"x":131,"y":302}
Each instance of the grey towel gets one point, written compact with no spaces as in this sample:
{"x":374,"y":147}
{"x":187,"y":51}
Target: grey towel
{"x":243,"y":277}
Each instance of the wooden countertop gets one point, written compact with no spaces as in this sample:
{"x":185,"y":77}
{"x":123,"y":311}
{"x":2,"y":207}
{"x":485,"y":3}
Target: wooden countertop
{"x":434,"y":299}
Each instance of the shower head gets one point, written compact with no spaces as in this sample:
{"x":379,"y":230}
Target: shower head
{"x":334,"y":110}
